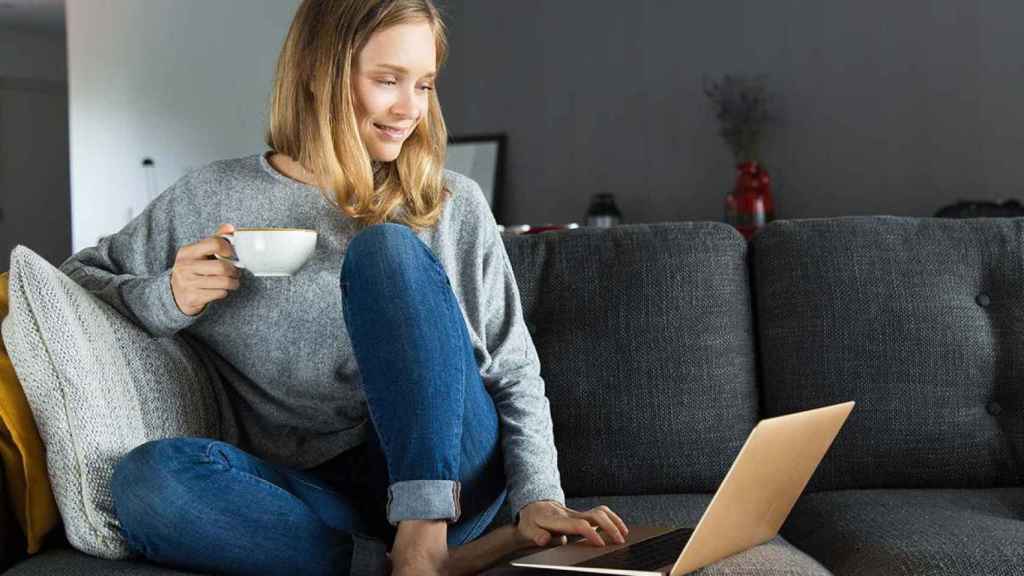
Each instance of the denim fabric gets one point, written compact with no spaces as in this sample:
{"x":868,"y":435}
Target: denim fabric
{"x":435,"y":421}
{"x":206,"y":505}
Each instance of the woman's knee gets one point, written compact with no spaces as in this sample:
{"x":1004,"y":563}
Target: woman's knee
{"x":150,"y":481}
{"x":387,"y":232}
{"x":382,"y":243}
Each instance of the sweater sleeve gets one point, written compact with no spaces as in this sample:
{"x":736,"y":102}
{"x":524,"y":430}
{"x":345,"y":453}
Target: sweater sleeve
{"x":514,"y":382}
{"x":131,"y":269}
{"x":511,"y":371}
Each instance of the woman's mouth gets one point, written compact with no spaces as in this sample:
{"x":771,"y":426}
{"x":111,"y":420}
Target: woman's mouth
{"x":391,"y":133}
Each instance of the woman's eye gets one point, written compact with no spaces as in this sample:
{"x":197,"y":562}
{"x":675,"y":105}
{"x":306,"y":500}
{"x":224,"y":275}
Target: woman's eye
{"x":387,"y":82}
{"x":426,"y":88}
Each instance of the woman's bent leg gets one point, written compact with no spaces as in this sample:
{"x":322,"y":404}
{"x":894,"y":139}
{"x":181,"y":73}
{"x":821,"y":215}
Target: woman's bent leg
{"x":208,"y":506}
{"x":436,"y":425}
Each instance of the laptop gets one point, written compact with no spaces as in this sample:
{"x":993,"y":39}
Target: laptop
{"x":753,"y":501}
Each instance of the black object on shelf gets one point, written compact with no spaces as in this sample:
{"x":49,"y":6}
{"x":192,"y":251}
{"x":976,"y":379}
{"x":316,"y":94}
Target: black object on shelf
{"x":603,"y":212}
{"x":965,"y":209}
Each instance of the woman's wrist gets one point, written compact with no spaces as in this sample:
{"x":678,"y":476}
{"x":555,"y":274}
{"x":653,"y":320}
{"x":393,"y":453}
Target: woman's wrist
{"x":486,"y":551}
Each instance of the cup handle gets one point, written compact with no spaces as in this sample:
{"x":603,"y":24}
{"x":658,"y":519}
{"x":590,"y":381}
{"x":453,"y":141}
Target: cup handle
{"x":233,"y":261}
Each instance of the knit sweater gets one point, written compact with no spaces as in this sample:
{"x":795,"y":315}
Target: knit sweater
{"x":279,"y":346}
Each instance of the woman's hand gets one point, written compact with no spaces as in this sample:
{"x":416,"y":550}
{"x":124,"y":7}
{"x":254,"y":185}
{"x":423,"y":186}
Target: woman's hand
{"x":539,"y":521}
{"x":198,"y":278}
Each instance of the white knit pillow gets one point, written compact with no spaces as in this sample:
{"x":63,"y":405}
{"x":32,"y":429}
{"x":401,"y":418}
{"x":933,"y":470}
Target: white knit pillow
{"x":98,"y":387}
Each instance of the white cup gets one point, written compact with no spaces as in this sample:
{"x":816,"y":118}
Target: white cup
{"x":271,"y":251}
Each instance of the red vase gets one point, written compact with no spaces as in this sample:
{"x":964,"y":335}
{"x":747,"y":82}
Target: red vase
{"x":749,"y":206}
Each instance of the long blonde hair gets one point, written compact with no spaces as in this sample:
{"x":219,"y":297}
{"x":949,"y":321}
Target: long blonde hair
{"x":312,"y":115}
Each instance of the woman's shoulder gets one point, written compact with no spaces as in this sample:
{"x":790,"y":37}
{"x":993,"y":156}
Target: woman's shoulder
{"x":217,"y":179}
{"x":467,"y":219}
{"x":466,"y":194}
{"x":229,"y":170}
{"x":455,"y":180}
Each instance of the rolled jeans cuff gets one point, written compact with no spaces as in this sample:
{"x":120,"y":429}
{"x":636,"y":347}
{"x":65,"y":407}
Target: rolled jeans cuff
{"x":424,"y":500}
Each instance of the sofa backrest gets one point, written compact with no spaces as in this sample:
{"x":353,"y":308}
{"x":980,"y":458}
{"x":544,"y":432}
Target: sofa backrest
{"x":646,"y":343}
{"x":921,"y":321}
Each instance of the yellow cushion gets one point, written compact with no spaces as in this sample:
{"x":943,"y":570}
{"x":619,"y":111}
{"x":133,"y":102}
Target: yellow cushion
{"x":21,"y":450}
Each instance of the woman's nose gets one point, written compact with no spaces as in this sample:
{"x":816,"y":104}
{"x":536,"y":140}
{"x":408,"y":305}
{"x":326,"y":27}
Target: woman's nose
{"x":405,"y":105}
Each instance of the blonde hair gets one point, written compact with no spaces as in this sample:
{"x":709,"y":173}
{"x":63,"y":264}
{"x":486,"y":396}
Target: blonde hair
{"x":312,"y":115}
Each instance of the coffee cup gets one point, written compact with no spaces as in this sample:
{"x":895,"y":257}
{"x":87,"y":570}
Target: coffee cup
{"x":270,"y":251}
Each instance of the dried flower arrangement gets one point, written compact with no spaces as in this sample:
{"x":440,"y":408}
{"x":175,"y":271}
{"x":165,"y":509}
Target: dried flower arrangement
{"x":741,"y":105}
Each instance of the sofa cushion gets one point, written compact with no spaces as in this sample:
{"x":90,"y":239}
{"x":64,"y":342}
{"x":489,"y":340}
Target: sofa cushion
{"x":68,"y":562}
{"x":910,"y":532}
{"x":98,"y":386}
{"x":921,"y":321}
{"x":21,"y":451}
{"x":646,"y":344}
{"x":775,"y":558}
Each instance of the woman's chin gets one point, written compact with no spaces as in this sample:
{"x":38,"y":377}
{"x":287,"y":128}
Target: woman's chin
{"x":385,"y":159}
{"x":387,"y":155}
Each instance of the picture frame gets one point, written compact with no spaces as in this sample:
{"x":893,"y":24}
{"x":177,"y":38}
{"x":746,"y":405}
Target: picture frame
{"x":482,"y":158}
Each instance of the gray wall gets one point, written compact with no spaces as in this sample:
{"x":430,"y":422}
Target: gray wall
{"x":184,"y":82}
{"x":34,"y":181}
{"x":887,"y":107}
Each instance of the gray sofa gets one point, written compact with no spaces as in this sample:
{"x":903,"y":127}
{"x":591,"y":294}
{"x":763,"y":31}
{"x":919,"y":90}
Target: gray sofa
{"x":662,"y":345}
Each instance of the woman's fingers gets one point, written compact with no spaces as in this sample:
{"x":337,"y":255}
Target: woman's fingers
{"x":616,"y":519}
{"x":541,"y":525}
{"x":197,"y":278}
{"x":214,"y":268}
{"x":211,"y":295}
{"x":215,"y":283}
{"x":205,"y":248}
{"x":578,"y":526}
{"x":213,"y":278}
{"x":537,"y":535}
{"x":603,"y":519}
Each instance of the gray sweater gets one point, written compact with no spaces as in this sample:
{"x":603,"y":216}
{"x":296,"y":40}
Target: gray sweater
{"x":279,"y":346}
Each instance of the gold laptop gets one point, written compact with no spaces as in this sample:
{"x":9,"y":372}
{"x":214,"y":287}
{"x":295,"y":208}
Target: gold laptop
{"x":753,"y":501}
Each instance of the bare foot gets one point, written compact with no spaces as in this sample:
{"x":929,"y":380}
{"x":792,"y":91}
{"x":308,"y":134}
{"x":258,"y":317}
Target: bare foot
{"x":421,"y":548}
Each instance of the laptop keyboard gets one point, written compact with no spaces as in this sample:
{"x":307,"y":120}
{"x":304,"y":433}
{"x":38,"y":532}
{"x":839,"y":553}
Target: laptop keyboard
{"x":647,"y":555}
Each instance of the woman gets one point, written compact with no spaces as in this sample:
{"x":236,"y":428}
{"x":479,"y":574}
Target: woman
{"x":402,"y":410}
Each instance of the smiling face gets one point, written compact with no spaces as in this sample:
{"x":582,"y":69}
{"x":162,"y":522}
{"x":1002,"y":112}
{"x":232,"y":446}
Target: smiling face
{"x":394,"y":75}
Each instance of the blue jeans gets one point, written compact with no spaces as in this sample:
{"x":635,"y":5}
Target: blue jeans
{"x":435,"y":453}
